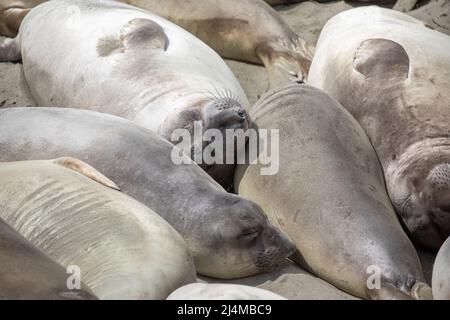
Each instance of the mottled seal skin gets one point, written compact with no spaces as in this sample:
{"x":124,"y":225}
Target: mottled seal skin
{"x":28,"y":274}
{"x":393,"y":75}
{"x":329,"y":195}
{"x":229,"y":236}
{"x":123,"y":249}
{"x":245,"y":30}
{"x":218,"y":291}
{"x":441,"y":273}
{"x":111,"y":57}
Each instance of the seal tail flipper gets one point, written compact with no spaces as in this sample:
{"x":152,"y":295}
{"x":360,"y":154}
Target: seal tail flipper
{"x":10,"y":21}
{"x":86,"y":170}
{"x":285,"y":64}
{"x":10,"y":50}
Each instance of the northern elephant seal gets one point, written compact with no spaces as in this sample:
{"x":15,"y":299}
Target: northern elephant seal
{"x":229,"y":28}
{"x":122,"y":249}
{"x":229,"y":236}
{"x":218,"y":291}
{"x":329,"y":196}
{"x":245,"y":30}
{"x":141,"y":67}
{"x":27,"y":273}
{"x":393,"y":75}
{"x":441,"y":273}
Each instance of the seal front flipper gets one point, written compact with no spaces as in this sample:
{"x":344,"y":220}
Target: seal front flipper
{"x":86,"y":170}
{"x":376,"y":58}
{"x":138,"y":34}
{"x":10,"y":50}
{"x":285,"y":65}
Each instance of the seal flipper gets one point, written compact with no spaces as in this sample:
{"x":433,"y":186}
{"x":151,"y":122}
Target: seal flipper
{"x":384,"y":58}
{"x":10,"y":50}
{"x":143,"y":34}
{"x":388,"y":292}
{"x":285,"y":64}
{"x":86,"y":170}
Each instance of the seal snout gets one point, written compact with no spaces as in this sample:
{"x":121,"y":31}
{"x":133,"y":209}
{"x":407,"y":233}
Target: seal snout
{"x":226,"y":113}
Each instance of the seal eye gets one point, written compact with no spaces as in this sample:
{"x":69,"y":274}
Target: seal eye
{"x":249,"y":235}
{"x":241,"y":113}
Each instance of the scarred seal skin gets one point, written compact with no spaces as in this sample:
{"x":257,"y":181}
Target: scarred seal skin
{"x":120,"y":248}
{"x":115,"y":58}
{"x":441,"y":273}
{"x":26,"y":273}
{"x":229,"y":237}
{"x":393,"y":75}
{"x":218,"y":291}
{"x":329,"y":197}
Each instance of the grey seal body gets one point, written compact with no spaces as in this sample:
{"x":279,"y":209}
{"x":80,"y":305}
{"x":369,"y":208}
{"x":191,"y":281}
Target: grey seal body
{"x":441,"y":273}
{"x":117,"y":246}
{"x":26,"y":273}
{"x":218,"y":291}
{"x":115,"y":58}
{"x":229,"y":236}
{"x":329,"y":196}
{"x":393,"y":75}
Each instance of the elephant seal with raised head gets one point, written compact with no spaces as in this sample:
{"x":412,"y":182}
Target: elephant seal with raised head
{"x":119,"y":247}
{"x":329,"y":197}
{"x":218,"y":291}
{"x":393,"y":75}
{"x":441,"y":273}
{"x":114,"y":58}
{"x":28,"y":274}
{"x":229,"y":236}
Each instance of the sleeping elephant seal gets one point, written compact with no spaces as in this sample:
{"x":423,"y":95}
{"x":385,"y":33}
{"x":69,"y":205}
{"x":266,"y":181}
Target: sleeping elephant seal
{"x":244,"y":30}
{"x":441,"y":273}
{"x":329,"y":196}
{"x":393,"y":75}
{"x":28,"y":274}
{"x":229,"y":236}
{"x":218,"y":291}
{"x":123,"y":249}
{"x":140,"y":67}
{"x":259,"y":37}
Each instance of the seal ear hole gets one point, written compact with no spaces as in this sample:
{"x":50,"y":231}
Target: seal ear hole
{"x":378,"y":57}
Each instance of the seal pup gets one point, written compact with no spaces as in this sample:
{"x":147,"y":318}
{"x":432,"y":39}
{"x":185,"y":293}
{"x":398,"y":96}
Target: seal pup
{"x":219,"y":291}
{"x":114,"y":58}
{"x":117,"y":246}
{"x":329,"y":197}
{"x":244,"y":30}
{"x":229,"y":236}
{"x":393,"y":75}
{"x":28,"y":274}
{"x":440,"y":281}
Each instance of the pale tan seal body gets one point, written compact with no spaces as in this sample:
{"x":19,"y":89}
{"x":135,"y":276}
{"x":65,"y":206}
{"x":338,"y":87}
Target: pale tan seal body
{"x":123,"y":249}
{"x":245,"y":30}
{"x":218,"y":291}
{"x":393,"y":75}
{"x":441,"y":273}
{"x":12,"y":13}
{"x":26,"y":273}
{"x":329,"y":196}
